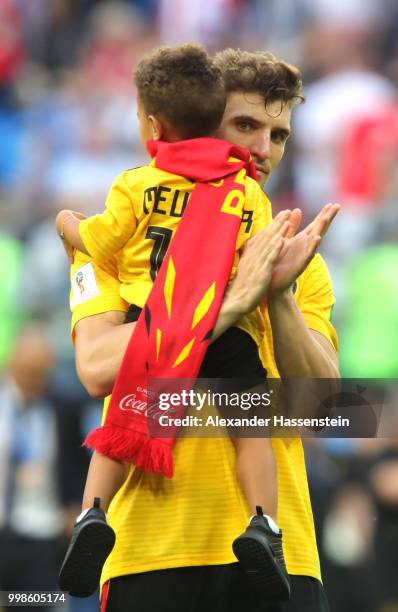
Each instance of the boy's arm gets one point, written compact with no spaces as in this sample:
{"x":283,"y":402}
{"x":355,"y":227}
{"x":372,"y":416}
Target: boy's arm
{"x":103,"y":235}
{"x":67,"y":223}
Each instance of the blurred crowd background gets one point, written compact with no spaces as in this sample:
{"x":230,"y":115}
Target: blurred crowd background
{"x":68,"y":127}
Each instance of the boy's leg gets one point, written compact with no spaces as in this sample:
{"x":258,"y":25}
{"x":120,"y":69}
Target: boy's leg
{"x":104,"y":479}
{"x":233,"y":359}
{"x":259,"y":548}
{"x":92,"y":537}
{"x":256,"y":470}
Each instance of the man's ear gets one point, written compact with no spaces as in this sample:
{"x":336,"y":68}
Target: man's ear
{"x":156,"y":127}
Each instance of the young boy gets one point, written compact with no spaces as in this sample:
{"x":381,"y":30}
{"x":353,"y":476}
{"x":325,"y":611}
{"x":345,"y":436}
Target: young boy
{"x":180,"y":98}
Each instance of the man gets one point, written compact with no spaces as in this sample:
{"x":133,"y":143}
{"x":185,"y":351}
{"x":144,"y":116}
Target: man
{"x":303,"y":316}
{"x":41,"y":467}
{"x":173,"y":536}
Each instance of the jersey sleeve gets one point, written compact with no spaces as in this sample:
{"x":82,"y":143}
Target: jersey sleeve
{"x":105,"y":234}
{"x":316,"y":299}
{"x":94,"y":288}
{"x":262,"y":210}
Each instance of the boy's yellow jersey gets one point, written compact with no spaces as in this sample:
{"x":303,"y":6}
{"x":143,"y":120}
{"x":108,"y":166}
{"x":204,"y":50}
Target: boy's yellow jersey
{"x":143,"y":209}
{"x":193,"y":518}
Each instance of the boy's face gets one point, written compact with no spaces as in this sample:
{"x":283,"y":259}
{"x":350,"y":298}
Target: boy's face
{"x":263,"y":131}
{"x":146,"y":126}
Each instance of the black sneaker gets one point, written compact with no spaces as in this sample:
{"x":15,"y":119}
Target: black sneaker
{"x":259,"y":550}
{"x":92,"y":541}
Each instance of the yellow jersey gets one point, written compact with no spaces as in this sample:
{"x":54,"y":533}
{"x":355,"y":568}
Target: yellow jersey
{"x":193,"y":518}
{"x":142,"y":211}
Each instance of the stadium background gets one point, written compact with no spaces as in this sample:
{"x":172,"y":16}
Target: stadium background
{"x":68,"y":126}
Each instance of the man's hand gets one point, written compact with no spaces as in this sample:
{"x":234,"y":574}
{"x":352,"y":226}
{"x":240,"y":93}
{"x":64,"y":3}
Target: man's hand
{"x":300,"y":352}
{"x":298,"y":250}
{"x":249,"y":287}
{"x":255,"y":267}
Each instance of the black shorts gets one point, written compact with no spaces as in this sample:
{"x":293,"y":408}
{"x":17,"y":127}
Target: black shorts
{"x":234,"y":355}
{"x":216,"y":588}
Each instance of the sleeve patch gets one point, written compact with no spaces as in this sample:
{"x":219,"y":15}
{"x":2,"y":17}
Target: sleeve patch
{"x":84,"y":285}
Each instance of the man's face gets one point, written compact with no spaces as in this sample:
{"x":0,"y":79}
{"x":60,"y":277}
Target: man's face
{"x":263,"y":131}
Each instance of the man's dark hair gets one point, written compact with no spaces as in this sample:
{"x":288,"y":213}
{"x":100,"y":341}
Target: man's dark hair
{"x":182,"y":86}
{"x":262,"y":73}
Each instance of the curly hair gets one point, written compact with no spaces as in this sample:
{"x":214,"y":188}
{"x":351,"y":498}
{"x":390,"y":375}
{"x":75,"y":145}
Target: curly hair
{"x":182,"y":86}
{"x":260,"y":72}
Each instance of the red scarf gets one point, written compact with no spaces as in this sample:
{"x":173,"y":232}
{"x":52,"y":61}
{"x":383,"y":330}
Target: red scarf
{"x":174,"y":329}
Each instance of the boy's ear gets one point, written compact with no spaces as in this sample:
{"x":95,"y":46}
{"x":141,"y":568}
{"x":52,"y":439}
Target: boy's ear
{"x":156,"y":127}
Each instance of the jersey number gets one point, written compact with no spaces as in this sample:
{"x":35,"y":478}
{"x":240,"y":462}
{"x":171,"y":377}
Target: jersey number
{"x":161,"y":237}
